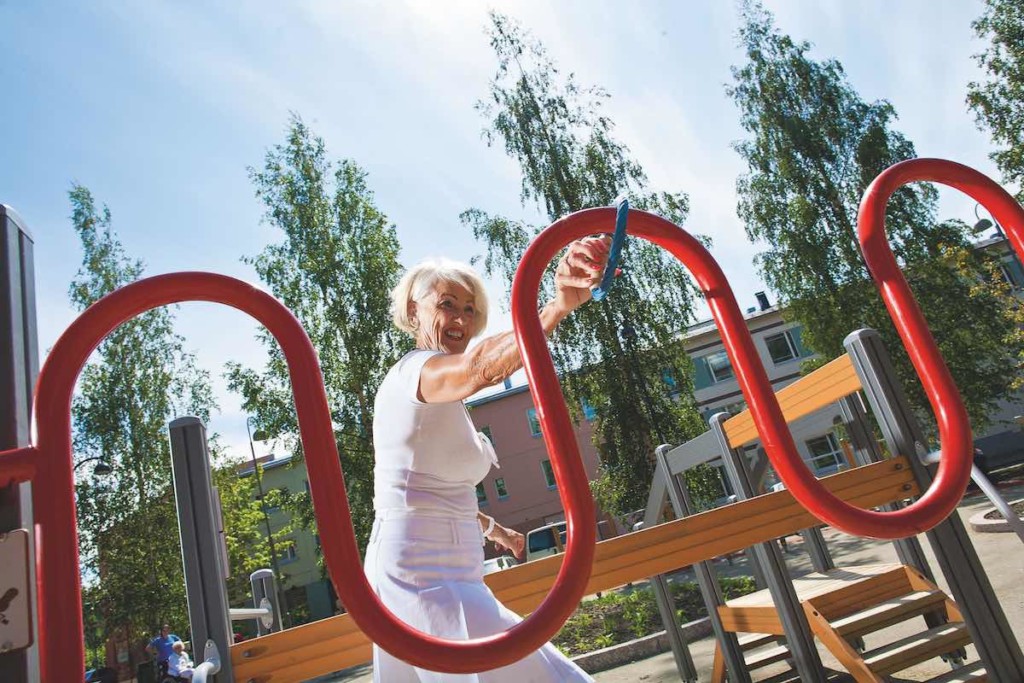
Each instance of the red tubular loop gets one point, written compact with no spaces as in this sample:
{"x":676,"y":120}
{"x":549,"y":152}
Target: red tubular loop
{"x":954,"y":428}
{"x":60,"y":639}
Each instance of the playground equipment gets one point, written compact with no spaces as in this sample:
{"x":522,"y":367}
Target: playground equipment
{"x":44,"y":459}
{"x":840,"y":606}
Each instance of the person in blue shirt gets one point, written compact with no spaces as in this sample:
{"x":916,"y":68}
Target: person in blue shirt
{"x":161,"y":648}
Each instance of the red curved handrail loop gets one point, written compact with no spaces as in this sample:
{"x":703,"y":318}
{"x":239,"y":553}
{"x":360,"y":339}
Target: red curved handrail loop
{"x":48,"y":464}
{"x":925,"y":513}
{"x":954,"y":427}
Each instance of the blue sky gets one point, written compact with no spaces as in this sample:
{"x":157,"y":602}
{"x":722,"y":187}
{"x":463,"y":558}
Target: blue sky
{"x":159,"y":107}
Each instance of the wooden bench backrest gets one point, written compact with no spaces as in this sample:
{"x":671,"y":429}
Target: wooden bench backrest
{"x":825,"y":385}
{"x":325,"y":646}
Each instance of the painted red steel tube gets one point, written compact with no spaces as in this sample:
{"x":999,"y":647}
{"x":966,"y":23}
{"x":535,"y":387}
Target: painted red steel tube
{"x":954,"y":428}
{"x":49,"y":466}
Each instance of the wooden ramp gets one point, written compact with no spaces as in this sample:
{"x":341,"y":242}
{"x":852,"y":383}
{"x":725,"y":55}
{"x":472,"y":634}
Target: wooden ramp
{"x":325,"y":646}
{"x":843,"y":606}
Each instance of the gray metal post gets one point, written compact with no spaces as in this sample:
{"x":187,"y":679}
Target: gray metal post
{"x":200,"y":545}
{"x":794,"y":621}
{"x":707,"y":578}
{"x":19,"y":365}
{"x":958,"y":560}
{"x":908,"y":550}
{"x":265,"y":588}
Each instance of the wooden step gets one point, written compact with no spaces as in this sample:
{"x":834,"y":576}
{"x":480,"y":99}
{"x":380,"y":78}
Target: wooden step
{"x":889,"y":612}
{"x":972,"y":673}
{"x":912,"y":650}
{"x":761,"y":658}
{"x":752,"y":641}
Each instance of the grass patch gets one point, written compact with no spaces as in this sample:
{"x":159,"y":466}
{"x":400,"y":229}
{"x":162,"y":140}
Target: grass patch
{"x":625,"y":615}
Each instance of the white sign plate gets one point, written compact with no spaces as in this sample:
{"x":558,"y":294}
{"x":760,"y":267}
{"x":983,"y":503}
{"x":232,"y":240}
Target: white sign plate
{"x":15,"y":620}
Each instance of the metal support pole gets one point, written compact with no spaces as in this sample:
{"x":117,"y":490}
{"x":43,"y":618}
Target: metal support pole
{"x":958,"y":560}
{"x":264,"y":588}
{"x":908,"y":550}
{"x":707,"y":578}
{"x":19,"y":365}
{"x":794,"y":621}
{"x":200,"y":545}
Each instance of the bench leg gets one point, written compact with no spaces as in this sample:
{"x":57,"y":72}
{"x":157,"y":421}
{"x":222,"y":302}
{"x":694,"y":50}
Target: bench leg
{"x":718,"y":668}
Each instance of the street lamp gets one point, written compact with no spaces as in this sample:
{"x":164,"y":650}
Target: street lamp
{"x":101,"y":469}
{"x":260,"y":435}
{"x":984,"y":224}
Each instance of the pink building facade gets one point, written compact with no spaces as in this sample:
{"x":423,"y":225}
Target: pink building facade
{"x":521,"y":493}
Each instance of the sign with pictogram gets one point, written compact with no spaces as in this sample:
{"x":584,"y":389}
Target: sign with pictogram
{"x":15,"y":612}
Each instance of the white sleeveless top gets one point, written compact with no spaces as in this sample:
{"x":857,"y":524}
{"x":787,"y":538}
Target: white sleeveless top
{"x":428,"y":457}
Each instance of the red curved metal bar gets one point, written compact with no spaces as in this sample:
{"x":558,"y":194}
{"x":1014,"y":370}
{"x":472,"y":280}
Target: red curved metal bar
{"x":47,"y":463}
{"x":954,"y":428}
{"x":933,"y":507}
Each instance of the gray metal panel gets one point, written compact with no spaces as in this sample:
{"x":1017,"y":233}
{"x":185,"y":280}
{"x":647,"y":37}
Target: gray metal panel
{"x":866,"y":451}
{"x":703,"y":448}
{"x":265,"y":588}
{"x":662,"y":595}
{"x":794,"y":621}
{"x":19,"y":366}
{"x":707,"y":579}
{"x":200,"y":544}
{"x":957,"y":558}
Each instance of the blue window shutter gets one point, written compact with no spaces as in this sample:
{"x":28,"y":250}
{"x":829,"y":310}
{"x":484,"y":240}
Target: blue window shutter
{"x":801,"y":350}
{"x":702,"y":377}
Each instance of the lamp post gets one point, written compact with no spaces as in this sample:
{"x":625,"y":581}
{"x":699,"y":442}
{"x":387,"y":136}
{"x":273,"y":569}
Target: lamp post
{"x":261,"y":436}
{"x":984,"y":224}
{"x":102,"y":467}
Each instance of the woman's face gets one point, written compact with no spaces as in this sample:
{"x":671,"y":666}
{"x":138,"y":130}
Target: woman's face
{"x":445,"y":318}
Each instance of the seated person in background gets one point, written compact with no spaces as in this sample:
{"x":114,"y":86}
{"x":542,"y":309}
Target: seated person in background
{"x":178,"y":664}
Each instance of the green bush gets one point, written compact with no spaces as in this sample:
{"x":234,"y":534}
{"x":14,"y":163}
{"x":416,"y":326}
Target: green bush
{"x":620,"y":616}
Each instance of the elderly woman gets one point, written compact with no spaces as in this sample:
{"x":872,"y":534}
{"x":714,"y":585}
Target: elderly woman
{"x":425,"y":558}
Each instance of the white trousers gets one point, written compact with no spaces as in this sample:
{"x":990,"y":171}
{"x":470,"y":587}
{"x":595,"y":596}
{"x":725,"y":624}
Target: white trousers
{"x":429,"y":572}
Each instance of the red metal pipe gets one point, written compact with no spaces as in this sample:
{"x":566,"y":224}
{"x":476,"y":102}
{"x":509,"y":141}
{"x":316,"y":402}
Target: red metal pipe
{"x":60,"y":639}
{"x":954,"y":428}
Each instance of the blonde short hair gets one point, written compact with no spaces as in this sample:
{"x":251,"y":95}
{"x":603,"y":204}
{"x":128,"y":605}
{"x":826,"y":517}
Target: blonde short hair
{"x":419,"y":280}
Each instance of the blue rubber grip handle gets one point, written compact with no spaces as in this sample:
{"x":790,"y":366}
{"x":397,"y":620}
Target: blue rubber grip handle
{"x":618,"y":239}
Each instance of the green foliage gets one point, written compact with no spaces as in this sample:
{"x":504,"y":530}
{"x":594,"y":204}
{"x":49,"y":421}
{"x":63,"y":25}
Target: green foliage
{"x":623,"y":615}
{"x":139,"y":379}
{"x":557,"y":132}
{"x":337,"y":259}
{"x":815,"y":145}
{"x":998,"y":103}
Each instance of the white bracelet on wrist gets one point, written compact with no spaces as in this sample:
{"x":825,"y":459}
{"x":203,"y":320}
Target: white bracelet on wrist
{"x":490,"y":527}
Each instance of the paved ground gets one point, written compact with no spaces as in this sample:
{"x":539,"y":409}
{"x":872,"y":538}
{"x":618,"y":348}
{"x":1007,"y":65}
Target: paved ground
{"x":1001,"y":554}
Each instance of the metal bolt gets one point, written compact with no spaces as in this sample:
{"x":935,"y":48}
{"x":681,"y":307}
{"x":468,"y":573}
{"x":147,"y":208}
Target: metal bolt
{"x":899,"y":466}
{"x":907,"y":487}
{"x":247,"y":653}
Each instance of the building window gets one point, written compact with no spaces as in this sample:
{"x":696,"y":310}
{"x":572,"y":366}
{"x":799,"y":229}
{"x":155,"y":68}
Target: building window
{"x":549,"y":473}
{"x":826,"y":455}
{"x":719,"y":366}
{"x":531,"y":417}
{"x":486,"y":429}
{"x":499,"y":486}
{"x":287,"y":553}
{"x":781,"y":347}
{"x":589,"y":411}
{"x":481,"y":494}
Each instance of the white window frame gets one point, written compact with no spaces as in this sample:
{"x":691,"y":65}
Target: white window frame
{"x":497,"y":490}
{"x":835,"y":451}
{"x":549,"y":474}
{"x":786,"y":335}
{"x":533,"y":421}
{"x":715,"y":379}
